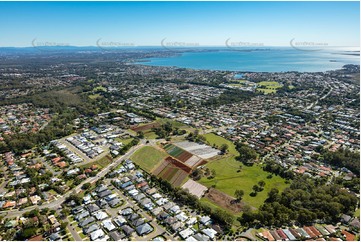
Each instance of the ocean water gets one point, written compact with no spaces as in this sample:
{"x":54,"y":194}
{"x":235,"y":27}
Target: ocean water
{"x":261,"y":60}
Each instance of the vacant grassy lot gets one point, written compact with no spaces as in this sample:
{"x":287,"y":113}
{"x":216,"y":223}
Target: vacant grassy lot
{"x":101,"y":163}
{"x":228,"y":177}
{"x":124,"y":141}
{"x":150,"y":135}
{"x":148,"y":157}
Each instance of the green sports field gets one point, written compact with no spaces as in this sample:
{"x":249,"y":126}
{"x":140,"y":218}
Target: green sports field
{"x":270,"y":86}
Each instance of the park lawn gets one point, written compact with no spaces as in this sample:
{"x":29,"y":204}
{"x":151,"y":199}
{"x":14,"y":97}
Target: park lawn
{"x":148,"y":157}
{"x":266,"y":90}
{"x":270,"y":84}
{"x":214,"y":139}
{"x":227,"y":179}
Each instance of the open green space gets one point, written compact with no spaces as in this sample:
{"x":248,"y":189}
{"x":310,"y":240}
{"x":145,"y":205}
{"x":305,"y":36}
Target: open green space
{"x":101,"y":163}
{"x":148,"y":157}
{"x":150,"y":135}
{"x":124,"y":141}
{"x":214,"y":139}
{"x":266,"y":90}
{"x":210,"y":204}
{"x":100,"y":88}
{"x":229,"y":177}
{"x":269,"y":86}
{"x":132,"y":132}
{"x":94,"y":96}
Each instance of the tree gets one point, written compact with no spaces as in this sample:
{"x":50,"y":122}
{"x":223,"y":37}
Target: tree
{"x":63,"y":225}
{"x":85,"y":186}
{"x":27,"y":233}
{"x":261,"y":184}
{"x":224,"y":148}
{"x":140,"y":134}
{"x":272,"y":195}
{"x":239,"y":194}
{"x":246,"y":154}
{"x":213,"y":173}
{"x":256,"y":188}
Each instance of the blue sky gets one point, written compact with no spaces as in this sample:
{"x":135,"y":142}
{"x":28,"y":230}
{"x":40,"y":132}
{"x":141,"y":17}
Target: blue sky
{"x":203,"y":23}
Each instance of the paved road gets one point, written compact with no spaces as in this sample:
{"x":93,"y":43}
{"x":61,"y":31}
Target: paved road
{"x":55,"y":204}
{"x":323,"y":97}
{"x":73,"y":232}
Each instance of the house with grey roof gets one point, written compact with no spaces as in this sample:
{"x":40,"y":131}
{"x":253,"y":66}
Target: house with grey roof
{"x":116,"y":235}
{"x":82,"y":215}
{"x":115,"y":202}
{"x":137,"y":222}
{"x":127,"y":230}
{"x":92,"y":208}
{"x":144,"y":229}
{"x":91,"y":228}
{"x":86,"y":221}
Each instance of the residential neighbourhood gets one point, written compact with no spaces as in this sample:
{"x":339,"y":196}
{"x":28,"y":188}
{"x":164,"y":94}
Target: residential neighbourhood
{"x":112,"y":150}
